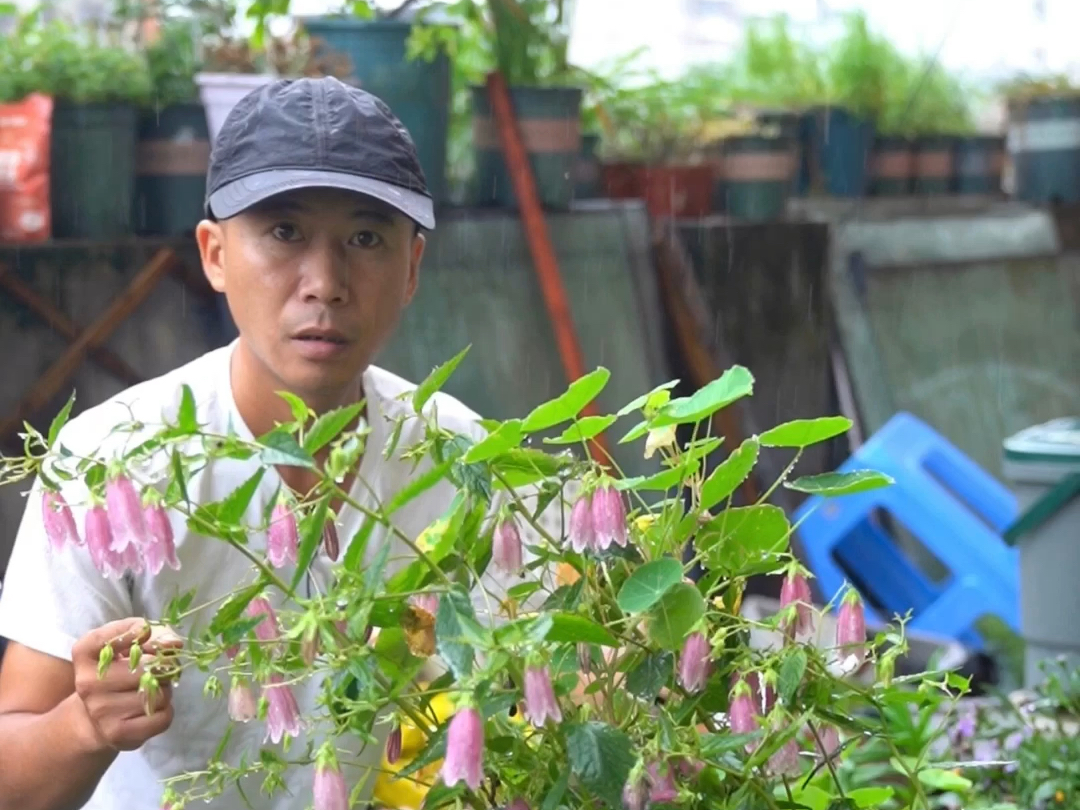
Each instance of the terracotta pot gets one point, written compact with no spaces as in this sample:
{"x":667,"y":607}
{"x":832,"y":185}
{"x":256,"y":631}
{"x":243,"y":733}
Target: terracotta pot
{"x":622,"y":181}
{"x":679,"y":191}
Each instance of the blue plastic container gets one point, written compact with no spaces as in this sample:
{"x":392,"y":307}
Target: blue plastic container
{"x":837,"y":147}
{"x":953,"y":514}
{"x":416,"y":90}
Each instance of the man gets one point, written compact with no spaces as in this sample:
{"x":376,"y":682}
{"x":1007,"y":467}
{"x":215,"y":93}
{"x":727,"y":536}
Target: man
{"x":316,"y":211}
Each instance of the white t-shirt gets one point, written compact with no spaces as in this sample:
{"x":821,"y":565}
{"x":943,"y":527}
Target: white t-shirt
{"x":52,"y":599}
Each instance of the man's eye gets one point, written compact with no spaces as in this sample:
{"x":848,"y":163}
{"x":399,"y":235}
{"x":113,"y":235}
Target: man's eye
{"x":286,"y":232}
{"x":367,"y":239}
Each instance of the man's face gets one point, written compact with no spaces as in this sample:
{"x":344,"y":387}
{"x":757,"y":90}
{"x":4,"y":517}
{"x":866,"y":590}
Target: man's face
{"x":316,"y":281}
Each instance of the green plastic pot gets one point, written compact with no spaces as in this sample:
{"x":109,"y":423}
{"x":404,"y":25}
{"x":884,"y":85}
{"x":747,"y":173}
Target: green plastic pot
{"x":549,"y":119}
{"x":92,"y":172}
{"x":173,"y":155}
{"x":757,"y":176}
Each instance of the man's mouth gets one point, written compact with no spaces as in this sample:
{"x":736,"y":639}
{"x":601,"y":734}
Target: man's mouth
{"x":321,"y":336}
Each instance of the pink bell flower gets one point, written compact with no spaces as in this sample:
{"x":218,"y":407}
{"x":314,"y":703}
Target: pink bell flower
{"x":694,"y":663}
{"x":464,"y":760}
{"x":608,"y":518}
{"x":125,"y":514}
{"x":540,"y":701}
{"x":283,"y":713}
{"x":506,"y":547}
{"x":282,"y":536}
{"x":59,"y":522}
{"x":582,"y":532}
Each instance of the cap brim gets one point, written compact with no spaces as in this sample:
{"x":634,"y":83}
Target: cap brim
{"x":236,"y":197}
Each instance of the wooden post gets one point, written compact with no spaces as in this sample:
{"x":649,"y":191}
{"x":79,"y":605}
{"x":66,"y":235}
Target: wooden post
{"x":63,"y":325}
{"x":545,"y":262}
{"x":49,"y":384}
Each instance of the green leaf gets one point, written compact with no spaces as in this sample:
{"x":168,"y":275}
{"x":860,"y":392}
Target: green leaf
{"x":565,"y":597}
{"x":584,"y":429}
{"x":791,"y":675}
{"x":418,"y":486}
{"x":809,"y":796}
{"x":374,"y":572}
{"x":448,"y":633}
{"x":558,"y":790}
{"x":834,"y":484}
{"x":299,"y":408}
{"x":648,"y":584}
{"x":651,"y":675}
{"x":177,"y":471}
{"x":672,"y":617}
{"x":635,"y":433}
{"x":729,"y":475}
{"x":186,"y":419}
{"x":279,"y":448}
{"x":236,"y":503}
{"x":233,"y":608}
{"x":870,"y":796}
{"x":660,"y":482}
{"x":61,"y":419}
{"x":436,"y":380}
{"x":743,"y":535}
{"x":569,"y":628}
{"x":507,"y":437}
{"x":805,"y":432}
{"x":644,"y":399}
{"x":601,"y":757}
{"x":311,"y":532}
{"x":940,"y":779}
{"x":568,"y":404}
{"x":524,"y":466}
{"x":734,"y":384}
{"x":354,"y":554}
{"x":328,"y":425}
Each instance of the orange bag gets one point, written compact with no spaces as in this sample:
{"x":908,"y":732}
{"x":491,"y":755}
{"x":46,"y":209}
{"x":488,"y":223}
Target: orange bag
{"x":25,"y":135}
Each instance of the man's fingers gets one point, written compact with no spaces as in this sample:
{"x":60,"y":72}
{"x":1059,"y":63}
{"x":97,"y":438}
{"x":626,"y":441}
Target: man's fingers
{"x":120,"y":634}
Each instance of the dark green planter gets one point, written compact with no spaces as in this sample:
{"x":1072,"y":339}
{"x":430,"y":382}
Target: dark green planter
{"x":417,"y":91}
{"x":979,"y":162}
{"x":170,"y":183}
{"x":587,"y":185}
{"x":549,"y":119}
{"x":757,"y":176}
{"x":92,"y":173}
{"x":935,"y":165}
{"x":1044,"y":141}
{"x":892,"y":166}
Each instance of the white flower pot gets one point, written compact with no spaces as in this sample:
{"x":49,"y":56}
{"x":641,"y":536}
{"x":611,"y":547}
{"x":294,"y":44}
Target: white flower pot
{"x":221,"y":91}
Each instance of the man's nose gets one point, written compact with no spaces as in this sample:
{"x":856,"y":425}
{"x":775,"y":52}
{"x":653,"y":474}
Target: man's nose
{"x":324,"y":275}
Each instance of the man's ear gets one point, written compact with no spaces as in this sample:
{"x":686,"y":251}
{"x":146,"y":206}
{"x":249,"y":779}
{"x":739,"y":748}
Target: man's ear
{"x":211,"y":240}
{"x":416,"y":255}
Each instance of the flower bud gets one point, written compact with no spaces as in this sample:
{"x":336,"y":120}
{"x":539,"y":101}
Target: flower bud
{"x":518,"y":804}
{"x":330,"y":790}
{"x":331,"y":543}
{"x":742,"y":713}
{"x":506,"y":547}
{"x":160,"y":547}
{"x":125,"y":514}
{"x":635,"y":795}
{"x":582,"y":533}
{"x":827,"y":740}
{"x":662,"y":788}
{"x":540,"y":701}
{"x":694,"y":663}
{"x":309,"y":647}
{"x":796,"y":591}
{"x":786,"y":760}
{"x":282,"y":538}
{"x":584,"y":658}
{"x":59,"y":522}
{"x":427,"y":602}
{"x":283,"y":713}
{"x":464,"y":760}
{"x":608,"y":517}
{"x":267,"y":629}
{"x":242,"y":706}
{"x":851,"y":628}
{"x":393,"y":744}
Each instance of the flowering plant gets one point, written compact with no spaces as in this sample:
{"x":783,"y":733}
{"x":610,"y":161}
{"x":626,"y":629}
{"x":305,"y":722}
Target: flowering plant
{"x":602,"y":677}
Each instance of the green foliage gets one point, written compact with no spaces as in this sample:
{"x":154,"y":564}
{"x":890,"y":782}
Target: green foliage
{"x":617,"y":632}
{"x":71,"y":64}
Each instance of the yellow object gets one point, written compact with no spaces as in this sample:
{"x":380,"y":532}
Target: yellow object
{"x":408,"y":793}
{"x":644,"y":522}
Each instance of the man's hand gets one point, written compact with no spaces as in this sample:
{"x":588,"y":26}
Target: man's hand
{"x":121,"y":716}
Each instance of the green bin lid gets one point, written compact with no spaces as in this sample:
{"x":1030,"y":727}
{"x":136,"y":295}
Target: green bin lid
{"x":1044,"y":454}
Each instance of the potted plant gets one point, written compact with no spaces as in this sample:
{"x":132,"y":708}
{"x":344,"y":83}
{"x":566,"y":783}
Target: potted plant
{"x":758,"y":169}
{"x":1046,"y":161}
{"x":174,"y":141}
{"x":98,"y":81}
{"x":401,"y":55}
{"x":525,"y":41}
